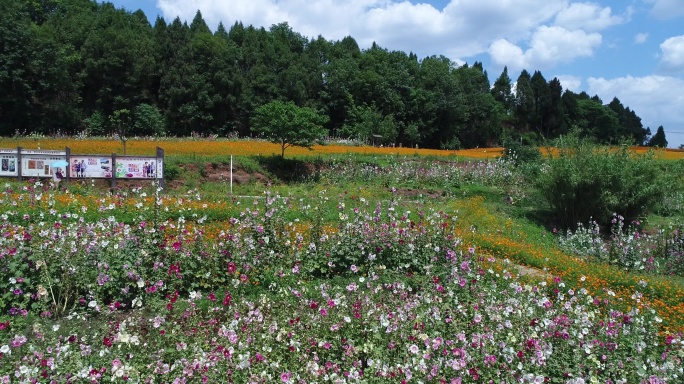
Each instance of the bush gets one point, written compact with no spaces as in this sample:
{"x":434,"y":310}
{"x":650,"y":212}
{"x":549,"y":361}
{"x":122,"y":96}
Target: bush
{"x":584,"y":180}
{"x":171,"y":172}
{"x":520,"y":153}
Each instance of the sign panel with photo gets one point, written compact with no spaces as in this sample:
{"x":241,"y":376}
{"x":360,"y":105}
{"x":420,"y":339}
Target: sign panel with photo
{"x":39,"y":166}
{"x":96,"y":167}
{"x":8,"y":165}
{"x":136,"y":168}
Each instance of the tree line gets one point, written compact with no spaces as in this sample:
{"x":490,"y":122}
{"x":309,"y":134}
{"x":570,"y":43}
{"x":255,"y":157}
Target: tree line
{"x":79,"y":66}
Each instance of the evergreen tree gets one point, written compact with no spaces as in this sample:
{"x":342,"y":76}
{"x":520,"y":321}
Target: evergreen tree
{"x":524,"y":101}
{"x":503,"y":93}
{"x":658,"y":140}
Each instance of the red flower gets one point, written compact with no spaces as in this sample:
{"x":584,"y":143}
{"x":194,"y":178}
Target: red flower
{"x":107,"y":341}
{"x":175,"y":269}
{"x":232,"y":267}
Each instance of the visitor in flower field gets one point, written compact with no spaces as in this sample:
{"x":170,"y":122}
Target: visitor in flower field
{"x":57,"y":177}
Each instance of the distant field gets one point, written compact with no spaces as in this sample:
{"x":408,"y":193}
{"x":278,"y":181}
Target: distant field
{"x":255,"y":147}
{"x":221,"y":147}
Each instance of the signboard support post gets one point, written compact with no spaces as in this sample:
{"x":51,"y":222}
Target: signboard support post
{"x":67,"y":171}
{"x":19,"y":163}
{"x":112,"y":181}
{"x":231,"y":175}
{"x":160,"y":160}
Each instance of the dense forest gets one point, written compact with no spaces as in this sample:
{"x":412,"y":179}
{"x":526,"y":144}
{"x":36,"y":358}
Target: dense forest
{"x":81,"y":67}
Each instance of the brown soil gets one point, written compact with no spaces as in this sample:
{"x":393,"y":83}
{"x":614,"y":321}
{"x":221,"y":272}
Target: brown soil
{"x":525,"y":270}
{"x":220,"y":173}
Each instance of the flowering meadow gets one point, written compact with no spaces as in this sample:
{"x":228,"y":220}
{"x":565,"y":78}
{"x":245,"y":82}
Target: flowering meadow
{"x":145,"y":146}
{"x":329,"y":287}
{"x":178,"y":146}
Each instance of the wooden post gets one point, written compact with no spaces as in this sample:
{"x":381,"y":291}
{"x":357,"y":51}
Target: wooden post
{"x":112,"y":181}
{"x":68,"y":166}
{"x":19,"y":163}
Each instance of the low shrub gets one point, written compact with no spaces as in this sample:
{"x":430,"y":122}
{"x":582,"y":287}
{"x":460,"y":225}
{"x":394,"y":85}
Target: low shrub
{"x":584,"y":180}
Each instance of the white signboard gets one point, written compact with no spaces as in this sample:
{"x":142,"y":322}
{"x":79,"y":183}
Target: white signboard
{"x":42,"y":152}
{"x":98,"y":167}
{"x":136,"y":168}
{"x":39,"y":165}
{"x":8,"y":164}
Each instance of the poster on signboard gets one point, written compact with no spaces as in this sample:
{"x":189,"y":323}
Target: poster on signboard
{"x":93,"y":167}
{"x":8,"y":165}
{"x":39,"y":165}
{"x":136,"y":168}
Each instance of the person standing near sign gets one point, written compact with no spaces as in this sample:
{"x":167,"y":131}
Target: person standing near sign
{"x":57,"y":177}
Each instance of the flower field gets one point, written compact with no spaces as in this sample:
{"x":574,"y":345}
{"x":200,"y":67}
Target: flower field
{"x":256,"y":147}
{"x":142,"y":287}
{"x":225,"y":147}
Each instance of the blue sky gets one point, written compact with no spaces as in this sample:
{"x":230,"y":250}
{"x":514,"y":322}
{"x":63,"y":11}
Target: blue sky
{"x":629,"y":49}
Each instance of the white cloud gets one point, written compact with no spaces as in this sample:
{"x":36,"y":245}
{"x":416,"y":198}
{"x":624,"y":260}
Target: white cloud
{"x":588,"y":16}
{"x":673,"y":54}
{"x":463,"y":28}
{"x":548,"y":46}
{"x":640,"y":38}
{"x":569,"y":82}
{"x":503,"y":52}
{"x":666,"y":9}
{"x":656,"y":99}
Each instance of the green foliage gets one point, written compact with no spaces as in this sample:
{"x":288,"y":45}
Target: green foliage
{"x":289,"y":125}
{"x":121,"y":121}
{"x":586,"y":181}
{"x":148,"y":120}
{"x":519,"y":153}
{"x":658,"y":140}
{"x":367,"y":124}
{"x":598,"y":121}
{"x":171,"y":171}
{"x":96,"y":124}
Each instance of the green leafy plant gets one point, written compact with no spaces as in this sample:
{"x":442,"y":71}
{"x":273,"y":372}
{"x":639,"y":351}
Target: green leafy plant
{"x":289,"y":125}
{"x":584,"y":180}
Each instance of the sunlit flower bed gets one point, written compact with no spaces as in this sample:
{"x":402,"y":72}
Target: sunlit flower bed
{"x":448,"y":173}
{"x":171,"y":146}
{"x":226,"y":148}
{"x":139,"y":293}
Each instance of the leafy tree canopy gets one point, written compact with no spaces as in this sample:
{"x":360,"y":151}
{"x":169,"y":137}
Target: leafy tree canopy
{"x":286,"y":124}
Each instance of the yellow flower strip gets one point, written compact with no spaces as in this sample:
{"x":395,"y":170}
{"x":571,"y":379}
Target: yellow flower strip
{"x":221,"y":148}
{"x":258,"y":147}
